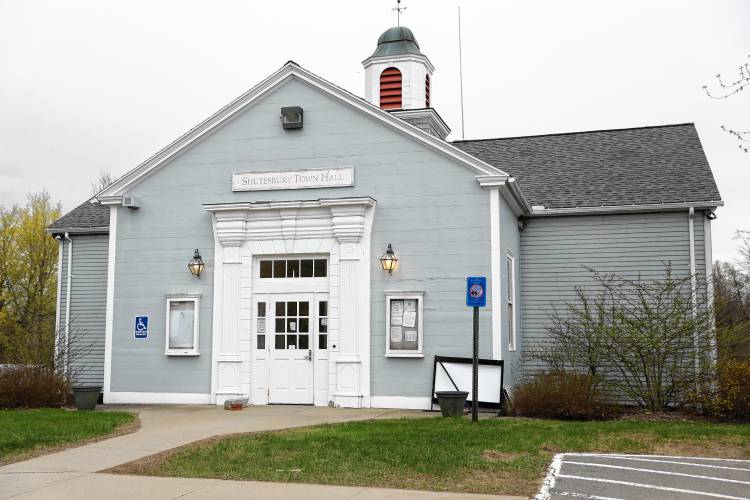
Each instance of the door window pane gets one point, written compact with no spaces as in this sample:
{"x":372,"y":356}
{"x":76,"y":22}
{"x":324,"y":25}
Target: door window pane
{"x":181,"y":324}
{"x":266,"y":268}
{"x":280,"y":325}
{"x":261,"y":342}
{"x":279,"y":269}
{"x":279,"y":342}
{"x":292,"y":269}
{"x":323,"y":341}
{"x":304,"y":325}
{"x":321,"y":268}
{"x":280,"y":309}
{"x":306,"y":268}
{"x":323,"y":308}
{"x":304,"y":342}
{"x":261,"y":309}
{"x":291,"y":308}
{"x":304,"y":309}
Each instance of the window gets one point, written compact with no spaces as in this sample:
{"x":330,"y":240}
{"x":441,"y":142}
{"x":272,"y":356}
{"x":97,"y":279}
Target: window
{"x":390,"y":89}
{"x":292,"y":325}
{"x":511,"y":310}
{"x":404,"y":333}
{"x":323,"y":324}
{"x":260,"y":326}
{"x":294,"y":268}
{"x":182,"y":326}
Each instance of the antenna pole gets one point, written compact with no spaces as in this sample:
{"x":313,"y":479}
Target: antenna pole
{"x":461,"y":72}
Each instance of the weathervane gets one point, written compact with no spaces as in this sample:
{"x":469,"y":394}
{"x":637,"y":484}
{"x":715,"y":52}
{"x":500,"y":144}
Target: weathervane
{"x":398,"y":10}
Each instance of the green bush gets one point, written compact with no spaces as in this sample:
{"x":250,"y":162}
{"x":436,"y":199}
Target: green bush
{"x":560,"y":394}
{"x":29,"y":386}
{"x":729,"y":396}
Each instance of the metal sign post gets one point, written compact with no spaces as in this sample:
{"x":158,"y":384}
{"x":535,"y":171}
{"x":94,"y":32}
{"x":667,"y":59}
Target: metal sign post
{"x":476,"y":297}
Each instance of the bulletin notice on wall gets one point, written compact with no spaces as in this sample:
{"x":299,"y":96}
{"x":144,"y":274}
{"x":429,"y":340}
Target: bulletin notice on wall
{"x":403,"y":334}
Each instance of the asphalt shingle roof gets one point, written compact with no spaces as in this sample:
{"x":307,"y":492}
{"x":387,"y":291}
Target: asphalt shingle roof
{"x":661,"y":164}
{"x":87,"y":215}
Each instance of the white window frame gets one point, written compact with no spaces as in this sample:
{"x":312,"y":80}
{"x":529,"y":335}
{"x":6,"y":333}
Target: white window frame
{"x":196,"y":326}
{"x":288,"y":257}
{"x":391,"y":295}
{"x":510,"y":266}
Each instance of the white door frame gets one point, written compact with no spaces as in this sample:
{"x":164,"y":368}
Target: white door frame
{"x":338,"y":227}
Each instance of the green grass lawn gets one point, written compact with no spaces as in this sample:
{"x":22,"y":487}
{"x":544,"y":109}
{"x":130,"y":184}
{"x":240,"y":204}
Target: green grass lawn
{"x":26,"y":432}
{"x":508,"y":456}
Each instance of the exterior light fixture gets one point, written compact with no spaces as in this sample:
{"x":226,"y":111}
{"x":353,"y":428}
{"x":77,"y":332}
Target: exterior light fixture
{"x":291,"y":117}
{"x":389,"y":260}
{"x":196,"y":264}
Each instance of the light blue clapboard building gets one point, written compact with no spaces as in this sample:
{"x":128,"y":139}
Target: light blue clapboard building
{"x":294,"y":192}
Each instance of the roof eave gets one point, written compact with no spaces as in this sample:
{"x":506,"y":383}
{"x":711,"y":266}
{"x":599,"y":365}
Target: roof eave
{"x":610,"y":209}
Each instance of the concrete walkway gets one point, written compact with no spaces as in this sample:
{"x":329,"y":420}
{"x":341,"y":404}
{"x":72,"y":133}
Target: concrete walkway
{"x":73,"y":473}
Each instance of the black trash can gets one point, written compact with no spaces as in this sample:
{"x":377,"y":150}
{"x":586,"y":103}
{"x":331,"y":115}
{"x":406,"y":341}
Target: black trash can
{"x":86,"y":397}
{"x":452,"y":402}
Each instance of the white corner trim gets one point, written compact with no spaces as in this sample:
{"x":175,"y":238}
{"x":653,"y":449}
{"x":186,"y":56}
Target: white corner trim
{"x":170,"y":398}
{"x":60,"y":250}
{"x":400,"y":402}
{"x":288,"y":71}
{"x":496,"y":263}
{"x":109,"y":315}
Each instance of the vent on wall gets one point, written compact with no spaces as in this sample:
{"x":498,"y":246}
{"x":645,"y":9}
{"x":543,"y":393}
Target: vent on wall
{"x":427,"y":90}
{"x":390,"y":89}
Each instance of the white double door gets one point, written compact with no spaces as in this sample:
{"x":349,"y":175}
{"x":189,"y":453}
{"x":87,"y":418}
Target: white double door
{"x":297,"y":327}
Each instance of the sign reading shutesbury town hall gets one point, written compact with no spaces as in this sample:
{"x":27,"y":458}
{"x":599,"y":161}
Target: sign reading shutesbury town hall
{"x":476,"y":291}
{"x":293,"y":179}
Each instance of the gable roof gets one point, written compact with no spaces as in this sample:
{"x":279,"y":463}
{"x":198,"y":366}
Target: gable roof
{"x":291,"y":70}
{"x":657,"y":165}
{"x":88,"y":217}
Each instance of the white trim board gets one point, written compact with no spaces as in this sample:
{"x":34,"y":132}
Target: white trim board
{"x":170,"y":398}
{"x":110,"y":310}
{"x":113,"y":193}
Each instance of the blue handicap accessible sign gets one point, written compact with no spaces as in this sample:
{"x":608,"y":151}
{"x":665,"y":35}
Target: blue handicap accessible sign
{"x":476,"y":291}
{"x":141,"y":327}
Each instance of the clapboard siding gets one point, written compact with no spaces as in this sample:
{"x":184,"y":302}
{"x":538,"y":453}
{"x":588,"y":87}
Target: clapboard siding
{"x":87,"y":306}
{"x":555,"y":252}
{"x":430,"y":208}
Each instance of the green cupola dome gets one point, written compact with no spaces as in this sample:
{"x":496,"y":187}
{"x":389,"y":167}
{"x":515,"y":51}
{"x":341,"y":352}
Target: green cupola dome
{"x":396,"y":41}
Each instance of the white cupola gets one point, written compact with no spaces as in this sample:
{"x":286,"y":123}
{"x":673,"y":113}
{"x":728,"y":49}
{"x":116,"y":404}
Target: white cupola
{"x":398,"y":78}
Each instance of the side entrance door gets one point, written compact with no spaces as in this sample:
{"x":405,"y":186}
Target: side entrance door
{"x":291,"y":348}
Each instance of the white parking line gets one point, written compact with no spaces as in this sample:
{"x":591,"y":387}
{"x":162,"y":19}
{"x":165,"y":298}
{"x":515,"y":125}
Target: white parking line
{"x":583,"y":495}
{"x":628,"y":457}
{"x":614,"y":455}
{"x":651,"y":487}
{"x":549,"y":480}
{"x":666,"y":473}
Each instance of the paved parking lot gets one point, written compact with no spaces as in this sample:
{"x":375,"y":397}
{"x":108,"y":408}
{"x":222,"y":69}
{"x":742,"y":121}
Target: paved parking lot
{"x":610,"y":476}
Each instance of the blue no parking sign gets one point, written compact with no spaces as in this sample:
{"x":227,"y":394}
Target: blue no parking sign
{"x":141,"y":327}
{"x":476,"y":291}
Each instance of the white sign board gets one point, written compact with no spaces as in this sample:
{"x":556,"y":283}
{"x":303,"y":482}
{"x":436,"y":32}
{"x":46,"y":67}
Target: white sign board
{"x":293,"y":179}
{"x":489,"y":380}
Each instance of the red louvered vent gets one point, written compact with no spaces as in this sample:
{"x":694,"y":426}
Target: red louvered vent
{"x":390,"y":89}
{"x":427,"y":90}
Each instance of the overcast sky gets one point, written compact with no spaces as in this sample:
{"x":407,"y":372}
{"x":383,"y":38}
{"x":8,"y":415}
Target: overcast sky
{"x":93,"y":85}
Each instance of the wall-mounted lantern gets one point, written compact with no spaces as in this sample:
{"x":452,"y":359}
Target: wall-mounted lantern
{"x":389,"y":260}
{"x":196,"y":264}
